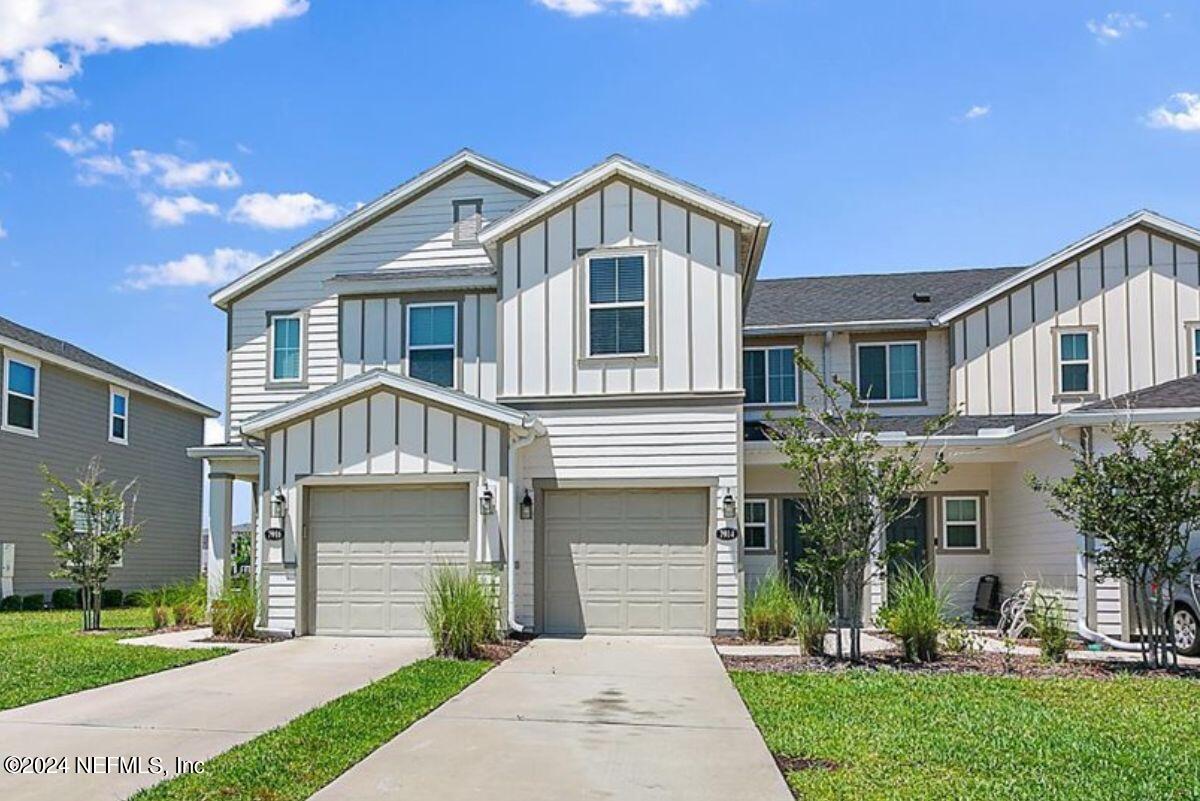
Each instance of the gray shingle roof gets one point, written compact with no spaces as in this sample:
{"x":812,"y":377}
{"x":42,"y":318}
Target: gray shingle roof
{"x":854,"y":298}
{"x":59,"y":347}
{"x":1181,"y":393}
{"x":914,"y":424}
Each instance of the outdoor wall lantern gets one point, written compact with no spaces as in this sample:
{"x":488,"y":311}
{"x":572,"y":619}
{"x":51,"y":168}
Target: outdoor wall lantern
{"x":527,"y":507}
{"x":278,"y":512}
{"x":729,"y":505}
{"x":487,"y":502}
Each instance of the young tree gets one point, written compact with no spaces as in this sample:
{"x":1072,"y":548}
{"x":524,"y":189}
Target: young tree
{"x":1139,"y":505}
{"x":852,"y":487}
{"x":91,"y":523}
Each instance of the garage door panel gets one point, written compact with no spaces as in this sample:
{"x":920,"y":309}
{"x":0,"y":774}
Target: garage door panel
{"x":647,"y":578}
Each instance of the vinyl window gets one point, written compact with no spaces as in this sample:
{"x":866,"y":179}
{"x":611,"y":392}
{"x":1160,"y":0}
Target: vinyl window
{"x":432,"y":342}
{"x":889,"y":371}
{"x":757,"y":524}
{"x":769,"y":375}
{"x":118,"y":416}
{"x":616,"y":308}
{"x":20,"y":412}
{"x":287,"y":347}
{"x":960,"y":524}
{"x":1196,"y":350}
{"x":1075,"y":362}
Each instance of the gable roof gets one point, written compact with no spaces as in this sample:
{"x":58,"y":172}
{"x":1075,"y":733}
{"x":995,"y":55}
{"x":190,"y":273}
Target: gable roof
{"x":385,"y":379}
{"x":1180,"y":393}
{"x":780,"y":304}
{"x":1144,"y":218}
{"x":61,"y":352}
{"x":380,"y":207}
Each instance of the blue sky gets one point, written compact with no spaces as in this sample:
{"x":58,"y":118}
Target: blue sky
{"x":200,"y":141}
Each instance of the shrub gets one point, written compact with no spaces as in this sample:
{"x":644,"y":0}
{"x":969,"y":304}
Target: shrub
{"x":33,"y":603}
{"x":771,"y":610}
{"x":1050,"y":627}
{"x":159,"y":601}
{"x":111,"y":599}
{"x":233,"y":614}
{"x":64,"y":599}
{"x":459,"y":613}
{"x":916,"y":613}
{"x":10,"y":603}
{"x":160,"y":617}
{"x":188,"y":599}
{"x":957,"y":639}
{"x":812,"y":621}
{"x":135,"y":598}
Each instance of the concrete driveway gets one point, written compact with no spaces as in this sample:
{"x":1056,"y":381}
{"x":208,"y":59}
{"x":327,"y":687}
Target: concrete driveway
{"x":597,"y":718}
{"x":190,"y":713}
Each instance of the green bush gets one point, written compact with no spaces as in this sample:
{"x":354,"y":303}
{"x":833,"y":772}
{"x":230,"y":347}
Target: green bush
{"x":111,"y":599}
{"x":135,"y":598}
{"x":233,"y":614}
{"x":10,"y":603}
{"x":916,"y":613}
{"x":33,"y":603}
{"x":771,"y":610}
{"x":64,"y":599}
{"x":188,"y":599}
{"x":1049,"y":622}
{"x":812,"y":621}
{"x":459,"y":613}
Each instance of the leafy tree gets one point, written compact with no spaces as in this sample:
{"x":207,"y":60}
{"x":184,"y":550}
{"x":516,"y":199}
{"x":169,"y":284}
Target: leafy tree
{"x":852,"y":487}
{"x":91,"y":523}
{"x":1139,"y":505}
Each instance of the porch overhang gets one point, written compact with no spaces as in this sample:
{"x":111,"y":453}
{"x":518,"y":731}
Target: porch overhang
{"x":234,"y":459}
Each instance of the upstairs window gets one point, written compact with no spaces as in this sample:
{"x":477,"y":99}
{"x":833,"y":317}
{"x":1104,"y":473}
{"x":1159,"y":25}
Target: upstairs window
{"x":468,"y":218}
{"x":118,"y":416}
{"x":286,"y":347}
{"x":889,"y":371}
{"x":1075,"y":362}
{"x":617,"y":305}
{"x":769,"y":375}
{"x":758,"y":525}
{"x":20,"y":396}
{"x":1196,"y":350}
{"x":432,"y":342}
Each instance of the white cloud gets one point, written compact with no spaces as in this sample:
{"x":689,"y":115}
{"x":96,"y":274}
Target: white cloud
{"x":104,"y":132}
{"x":244,"y":149}
{"x":176,"y":210}
{"x":286,"y":210}
{"x":636,"y":8}
{"x":46,"y":40}
{"x":975,"y":112}
{"x":172,"y":172}
{"x":31,"y":96}
{"x":78,"y":142}
{"x":3,"y":233}
{"x":195,"y":269}
{"x":1181,"y":112}
{"x":1114,"y":26}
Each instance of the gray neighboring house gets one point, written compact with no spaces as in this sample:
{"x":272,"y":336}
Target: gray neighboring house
{"x":60,"y":407}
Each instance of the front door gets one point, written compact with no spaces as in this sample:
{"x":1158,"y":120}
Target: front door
{"x":912,"y":530}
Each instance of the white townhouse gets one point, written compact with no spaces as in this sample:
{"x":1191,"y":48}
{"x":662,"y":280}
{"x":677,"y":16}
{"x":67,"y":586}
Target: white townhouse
{"x":564,"y":385}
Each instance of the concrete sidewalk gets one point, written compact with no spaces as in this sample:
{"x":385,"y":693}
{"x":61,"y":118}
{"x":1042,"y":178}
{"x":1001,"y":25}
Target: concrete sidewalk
{"x":597,"y":718}
{"x":190,"y":713}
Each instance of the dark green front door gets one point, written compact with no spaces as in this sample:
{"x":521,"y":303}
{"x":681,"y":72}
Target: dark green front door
{"x":792,"y":545}
{"x":912,"y":530}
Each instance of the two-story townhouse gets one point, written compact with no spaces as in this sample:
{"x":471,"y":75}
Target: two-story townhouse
{"x":62,"y":406}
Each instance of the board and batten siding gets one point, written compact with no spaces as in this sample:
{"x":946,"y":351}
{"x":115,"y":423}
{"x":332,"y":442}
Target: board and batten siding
{"x":417,"y":235}
{"x":1139,"y":293}
{"x":694,"y":292}
{"x":372,"y":437}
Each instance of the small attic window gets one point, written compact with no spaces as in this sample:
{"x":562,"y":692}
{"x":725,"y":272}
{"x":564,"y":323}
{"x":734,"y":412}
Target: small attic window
{"x":921,"y":297}
{"x":468,"y":217}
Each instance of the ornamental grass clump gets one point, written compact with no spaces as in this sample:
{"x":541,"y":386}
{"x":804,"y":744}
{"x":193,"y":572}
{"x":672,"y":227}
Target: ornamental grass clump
{"x":1049,"y":622}
{"x":234,"y":612}
{"x":812,"y":621}
{"x":771,"y":610}
{"x":916,"y":613}
{"x":188,"y":599}
{"x":459,"y":612}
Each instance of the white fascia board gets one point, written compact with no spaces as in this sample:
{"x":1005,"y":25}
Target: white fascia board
{"x":391,"y":286}
{"x":368,"y":213}
{"x":1144,"y":217}
{"x":614,"y":167}
{"x":190,"y":404}
{"x":848,"y":325}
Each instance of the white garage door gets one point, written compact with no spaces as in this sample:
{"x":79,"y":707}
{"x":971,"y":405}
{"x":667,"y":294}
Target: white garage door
{"x":374,"y":548}
{"x":626,"y":562}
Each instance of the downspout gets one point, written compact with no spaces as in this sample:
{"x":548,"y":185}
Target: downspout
{"x":826,"y":344}
{"x":533,"y":430}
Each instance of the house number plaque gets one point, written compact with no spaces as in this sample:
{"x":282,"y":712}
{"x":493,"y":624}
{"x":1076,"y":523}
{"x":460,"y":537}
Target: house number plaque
{"x":726,"y":534}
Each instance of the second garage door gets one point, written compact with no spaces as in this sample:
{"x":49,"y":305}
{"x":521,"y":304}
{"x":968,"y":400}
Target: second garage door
{"x":374,"y":548}
{"x":625,"y":562}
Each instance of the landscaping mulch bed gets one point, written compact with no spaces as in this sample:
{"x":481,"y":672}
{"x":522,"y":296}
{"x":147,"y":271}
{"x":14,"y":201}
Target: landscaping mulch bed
{"x":259,"y":637}
{"x":981,"y":664}
{"x":497,"y":652}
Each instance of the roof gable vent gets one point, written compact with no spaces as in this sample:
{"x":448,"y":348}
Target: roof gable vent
{"x":921,"y":297}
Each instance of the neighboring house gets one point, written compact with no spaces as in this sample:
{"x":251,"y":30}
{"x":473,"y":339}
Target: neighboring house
{"x":61,"y":406}
{"x":547,"y":380}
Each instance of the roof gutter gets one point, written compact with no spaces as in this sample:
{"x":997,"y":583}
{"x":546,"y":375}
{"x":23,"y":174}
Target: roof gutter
{"x":845,"y":325}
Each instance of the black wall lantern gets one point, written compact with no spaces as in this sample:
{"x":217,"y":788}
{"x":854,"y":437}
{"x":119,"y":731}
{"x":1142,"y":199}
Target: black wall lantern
{"x":278,"y":511}
{"x":487,"y":502}
{"x":527,"y":507}
{"x":729,"y":505}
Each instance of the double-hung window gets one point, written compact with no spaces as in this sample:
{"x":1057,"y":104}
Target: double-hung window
{"x":20,"y":412}
{"x":758,"y":524}
{"x":118,"y":416}
{"x":1075,"y":362}
{"x":889,"y":371}
{"x":287,"y":347}
{"x":617,"y":316}
{"x":961,"y":524}
{"x":769,"y":375}
{"x":1196,"y":350}
{"x":432,"y":342}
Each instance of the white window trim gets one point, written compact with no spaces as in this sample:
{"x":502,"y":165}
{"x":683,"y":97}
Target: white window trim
{"x":766,"y":524}
{"x":1088,"y":362}
{"x":767,"y":377}
{"x":113,"y":394}
{"x":644,"y":303}
{"x":462,"y":203}
{"x":887,"y":366}
{"x":1193,"y":340}
{"x":272,"y":319}
{"x":36,"y":398}
{"x":409,"y":347}
{"x":977,"y":522}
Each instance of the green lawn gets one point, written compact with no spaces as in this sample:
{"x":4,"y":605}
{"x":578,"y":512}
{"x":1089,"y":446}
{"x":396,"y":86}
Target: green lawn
{"x":44,"y":655}
{"x":297,"y":759}
{"x":898,"y":736}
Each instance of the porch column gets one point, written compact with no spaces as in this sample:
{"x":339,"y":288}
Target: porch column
{"x":220,"y":531}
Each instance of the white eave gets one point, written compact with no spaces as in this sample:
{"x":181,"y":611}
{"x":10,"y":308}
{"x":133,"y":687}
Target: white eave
{"x":371,"y":212}
{"x":1146,"y":218}
{"x":385,"y":379}
{"x":843,"y":325}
